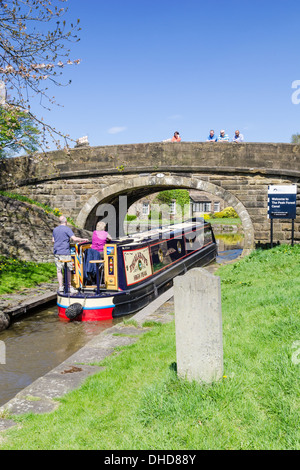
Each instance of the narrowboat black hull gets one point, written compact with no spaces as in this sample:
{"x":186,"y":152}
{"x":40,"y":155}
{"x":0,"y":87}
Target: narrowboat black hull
{"x":141,"y":272}
{"x":139,"y":297}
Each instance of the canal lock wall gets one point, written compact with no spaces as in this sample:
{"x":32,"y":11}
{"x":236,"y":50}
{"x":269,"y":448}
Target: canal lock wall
{"x":26,"y":231}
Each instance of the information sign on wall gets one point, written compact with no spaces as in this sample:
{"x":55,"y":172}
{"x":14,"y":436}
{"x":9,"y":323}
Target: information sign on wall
{"x":282,"y":201}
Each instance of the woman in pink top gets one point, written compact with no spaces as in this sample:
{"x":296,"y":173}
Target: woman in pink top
{"x":100,"y":237}
{"x":176,"y":137}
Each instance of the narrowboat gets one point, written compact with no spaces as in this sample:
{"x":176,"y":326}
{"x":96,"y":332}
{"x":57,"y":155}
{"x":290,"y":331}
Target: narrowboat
{"x":134,"y":270}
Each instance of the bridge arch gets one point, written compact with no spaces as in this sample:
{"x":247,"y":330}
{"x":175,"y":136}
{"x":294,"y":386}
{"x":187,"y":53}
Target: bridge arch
{"x":136,"y":187}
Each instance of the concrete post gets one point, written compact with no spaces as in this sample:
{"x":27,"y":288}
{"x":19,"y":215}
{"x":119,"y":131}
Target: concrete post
{"x":198,"y":326}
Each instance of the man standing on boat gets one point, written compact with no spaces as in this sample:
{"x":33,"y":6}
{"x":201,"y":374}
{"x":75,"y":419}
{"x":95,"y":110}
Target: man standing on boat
{"x":61,"y":236}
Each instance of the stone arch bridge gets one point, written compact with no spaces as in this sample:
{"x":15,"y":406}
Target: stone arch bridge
{"x":81,"y":180}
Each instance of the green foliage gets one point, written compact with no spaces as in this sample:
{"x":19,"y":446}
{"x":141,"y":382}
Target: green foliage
{"x":17,"y":132}
{"x":130,"y":217}
{"x":16,"y":274}
{"x":295,"y":139}
{"x":228,"y":212}
{"x":180,"y":195}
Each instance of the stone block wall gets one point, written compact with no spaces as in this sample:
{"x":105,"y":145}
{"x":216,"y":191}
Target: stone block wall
{"x":70,"y":196}
{"x":26,"y":231}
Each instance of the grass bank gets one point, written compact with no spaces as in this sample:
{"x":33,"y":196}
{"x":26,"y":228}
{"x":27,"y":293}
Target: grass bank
{"x":213,"y":221}
{"x":16,"y":275}
{"x":138,"y":402}
{"x":225,"y":221}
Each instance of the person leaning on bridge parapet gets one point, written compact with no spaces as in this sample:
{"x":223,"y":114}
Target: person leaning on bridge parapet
{"x":176,"y":137}
{"x":239,"y":138}
{"x":212,"y":136}
{"x":61,"y":237}
{"x":223,"y":137}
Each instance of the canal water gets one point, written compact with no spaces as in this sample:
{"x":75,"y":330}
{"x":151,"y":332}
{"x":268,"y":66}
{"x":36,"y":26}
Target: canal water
{"x":36,"y":344}
{"x":39,"y":342}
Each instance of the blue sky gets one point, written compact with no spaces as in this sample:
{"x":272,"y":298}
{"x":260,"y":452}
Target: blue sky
{"x":149,"y":68}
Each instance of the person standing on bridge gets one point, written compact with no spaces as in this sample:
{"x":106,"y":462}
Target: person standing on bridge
{"x":61,"y":237}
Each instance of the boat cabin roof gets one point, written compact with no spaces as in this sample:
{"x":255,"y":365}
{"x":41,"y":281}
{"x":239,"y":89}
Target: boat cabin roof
{"x":156,"y":233}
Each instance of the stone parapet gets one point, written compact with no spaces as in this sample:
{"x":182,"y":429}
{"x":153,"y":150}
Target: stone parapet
{"x":80,"y":181}
{"x":256,"y":158}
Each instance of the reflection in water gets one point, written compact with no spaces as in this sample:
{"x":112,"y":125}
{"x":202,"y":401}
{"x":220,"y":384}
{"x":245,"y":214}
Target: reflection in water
{"x":230,"y":246}
{"x":228,"y":255}
{"x":229,"y":241}
{"x":38,"y":343}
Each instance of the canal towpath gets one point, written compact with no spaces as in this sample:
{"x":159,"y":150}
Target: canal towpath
{"x":21,"y":302}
